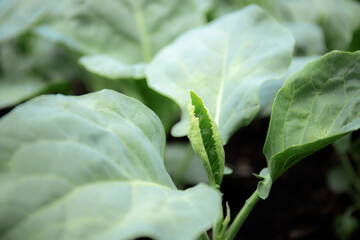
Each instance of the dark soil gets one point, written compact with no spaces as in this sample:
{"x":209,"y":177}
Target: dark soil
{"x":300,"y":205}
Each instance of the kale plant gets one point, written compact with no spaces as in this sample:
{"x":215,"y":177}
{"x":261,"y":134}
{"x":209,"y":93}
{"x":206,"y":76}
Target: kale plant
{"x":92,"y":166}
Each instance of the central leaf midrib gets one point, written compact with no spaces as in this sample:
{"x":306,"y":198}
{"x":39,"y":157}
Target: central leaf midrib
{"x":222,"y":81}
{"x":143,"y":33}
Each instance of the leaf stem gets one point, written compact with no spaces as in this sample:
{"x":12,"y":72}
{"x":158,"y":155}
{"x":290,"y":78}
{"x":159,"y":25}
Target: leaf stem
{"x":242,"y":215}
{"x":349,"y":169}
{"x":204,"y":236}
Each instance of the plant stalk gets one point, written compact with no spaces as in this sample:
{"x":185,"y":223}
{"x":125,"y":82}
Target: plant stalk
{"x":349,"y":169}
{"x":204,"y":236}
{"x":242,"y":215}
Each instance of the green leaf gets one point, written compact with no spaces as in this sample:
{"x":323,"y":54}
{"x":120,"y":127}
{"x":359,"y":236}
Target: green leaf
{"x":269,"y":89}
{"x":91,"y":167}
{"x":31,"y":66}
{"x":337,"y":18}
{"x":343,"y":145}
{"x":225,"y":63}
{"x":13,"y":92}
{"x":18,"y":16}
{"x":346,"y":225}
{"x":183,"y":165}
{"x":314,"y":23}
{"x":124,"y":33}
{"x":309,"y":38}
{"x":315,"y":107}
{"x":206,"y":5}
{"x":206,"y":140}
{"x":338,"y":181}
{"x":111,"y":68}
{"x":164,"y":108}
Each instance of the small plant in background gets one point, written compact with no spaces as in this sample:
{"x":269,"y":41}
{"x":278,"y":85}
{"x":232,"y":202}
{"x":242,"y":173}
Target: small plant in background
{"x":92,"y":166}
{"x":345,"y":179}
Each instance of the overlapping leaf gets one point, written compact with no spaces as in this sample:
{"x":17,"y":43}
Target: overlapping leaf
{"x":225,"y":63}
{"x":30,"y":66}
{"x":91,"y":167}
{"x":269,"y":89}
{"x":125,"y":33}
{"x":338,"y":18}
{"x":17,"y":16}
{"x":316,"y":106}
{"x":316,"y":24}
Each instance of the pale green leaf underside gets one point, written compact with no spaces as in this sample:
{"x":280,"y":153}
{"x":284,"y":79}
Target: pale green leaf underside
{"x":316,"y":24}
{"x":14,"y":91}
{"x":127,"y":31}
{"x":206,"y":140}
{"x":338,"y":18}
{"x":315,"y":107}
{"x":225,"y":63}
{"x":109,"y":67}
{"x":309,"y":38}
{"x":183,"y":164}
{"x":17,"y":16}
{"x":39,"y":67}
{"x":269,"y":89}
{"x":91,"y":167}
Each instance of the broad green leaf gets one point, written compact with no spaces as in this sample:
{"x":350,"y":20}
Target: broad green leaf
{"x":206,"y":140}
{"x":13,"y":92}
{"x":183,"y":165}
{"x":225,"y":63}
{"x":164,"y":108}
{"x":269,"y":89}
{"x":205,"y":5}
{"x":336,"y":19}
{"x":17,"y":16}
{"x":111,"y":68}
{"x":126,"y":33}
{"x":315,"y":107}
{"x":91,"y":167}
{"x":31,"y":66}
{"x":342,"y":146}
{"x":309,"y":37}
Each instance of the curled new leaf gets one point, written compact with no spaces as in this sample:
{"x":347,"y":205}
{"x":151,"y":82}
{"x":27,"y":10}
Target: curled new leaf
{"x":206,"y":140}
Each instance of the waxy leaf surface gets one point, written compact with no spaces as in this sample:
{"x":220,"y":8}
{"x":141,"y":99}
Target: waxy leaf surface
{"x":225,"y":63}
{"x":126,"y":33}
{"x":269,"y":89}
{"x":91,"y":167}
{"x":37,"y":68}
{"x":315,"y":107}
{"x":18,"y":16}
{"x":206,"y":140}
{"x":337,"y":18}
{"x":316,"y":24}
